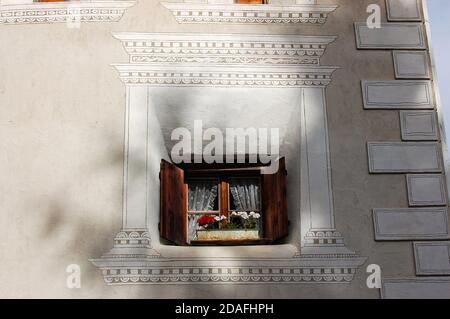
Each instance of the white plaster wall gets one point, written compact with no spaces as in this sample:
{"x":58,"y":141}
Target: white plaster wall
{"x":61,"y":134}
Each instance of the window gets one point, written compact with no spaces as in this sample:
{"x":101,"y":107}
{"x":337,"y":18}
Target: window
{"x":222,"y":204}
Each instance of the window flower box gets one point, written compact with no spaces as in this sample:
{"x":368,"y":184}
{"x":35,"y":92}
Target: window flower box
{"x":227,"y":234}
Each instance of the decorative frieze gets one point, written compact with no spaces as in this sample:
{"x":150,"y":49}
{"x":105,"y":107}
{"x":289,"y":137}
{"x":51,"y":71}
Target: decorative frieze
{"x":426,"y":190}
{"x":400,"y":94}
{"x":53,"y":12}
{"x":393,"y":157}
{"x":225,"y":76}
{"x":188,"y":12}
{"x":227,"y":270}
{"x":419,"y":125}
{"x":390,"y":36}
{"x":223,"y":48}
{"x":411,"y":224}
{"x":432,"y":258}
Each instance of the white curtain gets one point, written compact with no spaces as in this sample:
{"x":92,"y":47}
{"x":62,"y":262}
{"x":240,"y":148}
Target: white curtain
{"x":202,"y":195}
{"x":192,"y":227}
{"x":246,"y":194}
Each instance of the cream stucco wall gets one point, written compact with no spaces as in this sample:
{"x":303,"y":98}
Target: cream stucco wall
{"x":61,"y":161}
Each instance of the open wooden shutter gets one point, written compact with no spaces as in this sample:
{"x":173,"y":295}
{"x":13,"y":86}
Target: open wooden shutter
{"x":275,"y":215}
{"x":173,"y":210}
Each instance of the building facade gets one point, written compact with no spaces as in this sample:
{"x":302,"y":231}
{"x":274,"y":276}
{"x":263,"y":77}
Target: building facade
{"x":92,"y":92}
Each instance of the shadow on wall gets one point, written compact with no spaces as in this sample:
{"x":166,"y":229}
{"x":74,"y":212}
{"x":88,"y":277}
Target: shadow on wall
{"x":81,"y":212}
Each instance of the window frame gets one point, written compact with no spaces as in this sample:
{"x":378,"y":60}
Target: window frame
{"x":213,"y":212}
{"x":223,"y":190}
{"x":273,"y":212}
{"x":224,"y":175}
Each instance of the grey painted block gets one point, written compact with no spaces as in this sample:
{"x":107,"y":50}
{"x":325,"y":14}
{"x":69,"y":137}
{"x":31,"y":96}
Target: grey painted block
{"x":416,"y":288}
{"x":426,"y":190}
{"x":390,"y":36}
{"x":411,"y":65}
{"x":419,"y":126}
{"x":403,"y":10}
{"x":432,"y":258}
{"x":392,"y":157}
{"x":400,"y":94}
{"x":411,"y":224}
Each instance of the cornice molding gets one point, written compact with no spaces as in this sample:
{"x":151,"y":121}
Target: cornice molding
{"x":228,"y":271}
{"x":254,"y":14}
{"x":283,"y":76}
{"x":57,"y":12}
{"x":223,"y":48}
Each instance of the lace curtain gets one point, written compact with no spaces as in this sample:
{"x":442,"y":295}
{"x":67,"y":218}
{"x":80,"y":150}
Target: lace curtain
{"x":202,"y":195}
{"x":192,"y":227}
{"x":246,"y":194}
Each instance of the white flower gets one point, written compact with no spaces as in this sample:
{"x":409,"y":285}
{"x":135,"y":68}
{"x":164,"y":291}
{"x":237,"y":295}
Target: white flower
{"x":256,"y":216}
{"x":223,"y":217}
{"x":217,"y":219}
{"x":234,"y":214}
{"x":252,"y":213}
{"x":244,"y":215}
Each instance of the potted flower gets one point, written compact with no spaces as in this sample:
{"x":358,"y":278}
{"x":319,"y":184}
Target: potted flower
{"x":207,"y":222}
{"x":240,"y":226}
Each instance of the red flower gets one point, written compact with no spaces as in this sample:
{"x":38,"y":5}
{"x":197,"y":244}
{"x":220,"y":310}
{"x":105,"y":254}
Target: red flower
{"x":205,"y":220}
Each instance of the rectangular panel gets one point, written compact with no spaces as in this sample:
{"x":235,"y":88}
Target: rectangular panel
{"x":411,"y":224}
{"x":419,"y":126}
{"x":390,"y":36}
{"x":416,"y":288}
{"x":426,"y":190}
{"x":411,"y":64}
{"x":398,"y":94}
{"x":393,"y":157}
{"x":403,"y":10}
{"x":432,"y":258}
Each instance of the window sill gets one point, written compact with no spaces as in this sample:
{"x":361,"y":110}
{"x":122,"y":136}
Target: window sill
{"x":247,"y":251}
{"x":230,"y":242}
{"x":57,"y":12}
{"x":252,"y":14}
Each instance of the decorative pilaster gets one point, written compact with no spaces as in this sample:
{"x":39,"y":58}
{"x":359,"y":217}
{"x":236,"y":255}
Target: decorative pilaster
{"x":318,"y":220}
{"x":134,"y":238}
{"x":134,"y":243}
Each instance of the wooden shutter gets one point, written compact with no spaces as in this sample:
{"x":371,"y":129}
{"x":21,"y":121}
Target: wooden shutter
{"x":173,"y":210}
{"x":275,"y":215}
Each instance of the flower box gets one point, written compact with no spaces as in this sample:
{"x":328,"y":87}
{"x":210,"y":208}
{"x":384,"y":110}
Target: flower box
{"x":232,"y":234}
